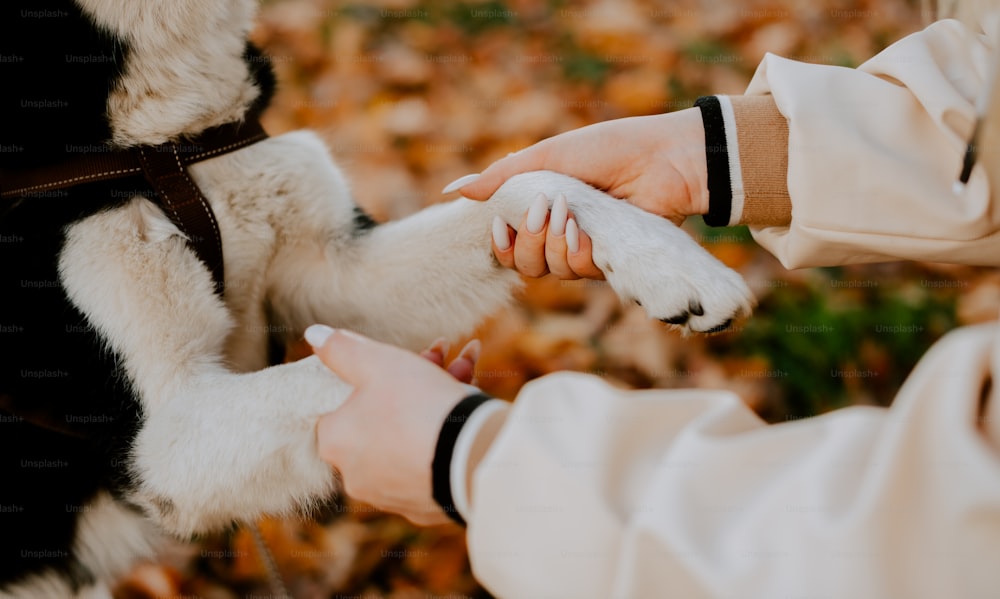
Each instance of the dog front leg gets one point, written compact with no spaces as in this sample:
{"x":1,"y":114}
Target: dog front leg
{"x":213,"y":446}
{"x":227,"y":447}
{"x":407,"y":282}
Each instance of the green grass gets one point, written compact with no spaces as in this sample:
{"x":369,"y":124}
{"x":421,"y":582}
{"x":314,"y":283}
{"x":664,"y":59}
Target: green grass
{"x":840,"y":341}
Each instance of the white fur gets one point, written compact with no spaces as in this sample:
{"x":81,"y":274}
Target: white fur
{"x":215,"y":446}
{"x":110,"y":538}
{"x":185,"y":72}
{"x":46,"y":586}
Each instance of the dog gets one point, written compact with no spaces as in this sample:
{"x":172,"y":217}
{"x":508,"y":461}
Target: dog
{"x":138,"y":396}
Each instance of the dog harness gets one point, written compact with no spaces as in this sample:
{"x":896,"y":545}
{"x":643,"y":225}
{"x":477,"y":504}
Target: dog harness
{"x":164,"y":167}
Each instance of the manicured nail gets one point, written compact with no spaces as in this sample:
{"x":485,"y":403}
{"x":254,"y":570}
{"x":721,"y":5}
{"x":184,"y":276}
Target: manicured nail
{"x":317,"y":334}
{"x":472,"y":350}
{"x":352,"y":335}
{"x":572,"y":236}
{"x":460,"y":183}
{"x":500,"y":236}
{"x":560,"y":210}
{"x":536,"y":214}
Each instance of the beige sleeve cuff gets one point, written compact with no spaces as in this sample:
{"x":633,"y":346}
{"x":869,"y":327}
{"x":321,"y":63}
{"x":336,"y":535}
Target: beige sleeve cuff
{"x":472,"y":443}
{"x":762,"y":151}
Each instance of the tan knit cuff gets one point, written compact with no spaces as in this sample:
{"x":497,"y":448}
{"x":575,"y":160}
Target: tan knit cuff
{"x":762,"y":136}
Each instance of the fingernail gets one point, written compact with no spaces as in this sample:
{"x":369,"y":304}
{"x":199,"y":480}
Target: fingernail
{"x":472,"y":350}
{"x":317,"y":334}
{"x":536,"y":214}
{"x":440,"y":345}
{"x":560,"y":210}
{"x":500,"y":236}
{"x":459,"y":183}
{"x":353,"y":335}
{"x":572,"y":236}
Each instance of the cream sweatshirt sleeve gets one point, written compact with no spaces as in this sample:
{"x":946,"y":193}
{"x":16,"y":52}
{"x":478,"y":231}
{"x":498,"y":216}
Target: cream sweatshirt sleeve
{"x":869,"y":157}
{"x":588,"y":491}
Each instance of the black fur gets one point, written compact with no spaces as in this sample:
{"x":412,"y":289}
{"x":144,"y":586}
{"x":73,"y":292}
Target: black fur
{"x":57,"y":72}
{"x":263,"y":74}
{"x":78,"y":414}
{"x":679,"y":319}
{"x":363,"y":222}
{"x":67,"y":414}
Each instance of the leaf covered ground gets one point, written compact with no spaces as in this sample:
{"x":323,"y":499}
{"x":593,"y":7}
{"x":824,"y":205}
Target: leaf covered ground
{"x":411,"y":94}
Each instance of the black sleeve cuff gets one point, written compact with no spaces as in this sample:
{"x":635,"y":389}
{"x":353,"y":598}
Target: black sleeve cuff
{"x":720,"y":190}
{"x":441,"y":466}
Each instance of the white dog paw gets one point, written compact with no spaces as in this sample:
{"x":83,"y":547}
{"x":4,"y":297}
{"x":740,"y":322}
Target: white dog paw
{"x":645,"y":258}
{"x":673,"y":278}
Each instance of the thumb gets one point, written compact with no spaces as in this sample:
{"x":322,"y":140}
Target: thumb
{"x":352,"y":357}
{"x":529,"y":159}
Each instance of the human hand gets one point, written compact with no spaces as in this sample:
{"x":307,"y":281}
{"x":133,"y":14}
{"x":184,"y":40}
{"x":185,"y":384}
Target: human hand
{"x":655,"y":162}
{"x":545,"y":242}
{"x":383,"y":438}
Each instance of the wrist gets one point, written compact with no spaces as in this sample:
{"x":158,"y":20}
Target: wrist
{"x":684,"y":155}
{"x":696,"y":169}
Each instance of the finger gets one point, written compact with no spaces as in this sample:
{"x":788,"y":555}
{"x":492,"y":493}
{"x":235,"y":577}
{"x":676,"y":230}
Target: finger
{"x":463,"y":368}
{"x":436,"y":352}
{"x":427,"y":518}
{"x":433,"y":357}
{"x":555,"y":241}
{"x":580,"y":252}
{"x":354,"y":358}
{"x":503,"y":246}
{"x":529,"y":246}
{"x":531,"y":158}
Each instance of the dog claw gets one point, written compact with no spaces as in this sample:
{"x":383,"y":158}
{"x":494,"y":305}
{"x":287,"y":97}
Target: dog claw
{"x":695,"y":308}
{"x":719,"y":328}
{"x":678,"y":320}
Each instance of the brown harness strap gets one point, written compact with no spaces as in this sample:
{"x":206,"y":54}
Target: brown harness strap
{"x":184,"y":205}
{"x":39,"y":418}
{"x":165,"y":168}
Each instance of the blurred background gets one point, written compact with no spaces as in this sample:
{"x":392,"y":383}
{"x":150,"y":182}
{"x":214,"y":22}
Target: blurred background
{"x":411,"y":94}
